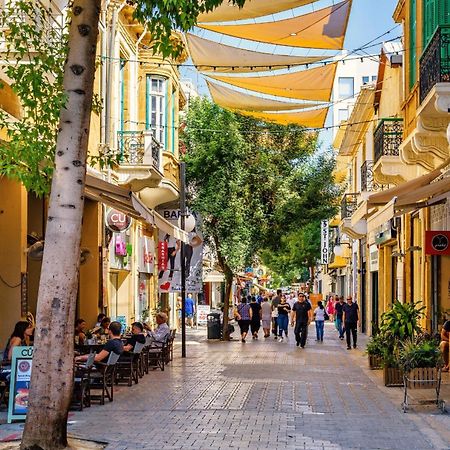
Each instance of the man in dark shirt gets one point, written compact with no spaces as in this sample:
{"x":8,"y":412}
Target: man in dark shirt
{"x":351,"y":318}
{"x":137,"y":330}
{"x":301,"y":315}
{"x":339,"y":307}
{"x":275,"y":302}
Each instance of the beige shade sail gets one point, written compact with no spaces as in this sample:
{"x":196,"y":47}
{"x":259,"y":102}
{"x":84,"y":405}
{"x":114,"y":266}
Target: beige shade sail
{"x":209,"y":55}
{"x":253,"y":8}
{"x":312,"y":119}
{"x":231,"y":99}
{"x":312,"y":84}
{"x":323,"y":29}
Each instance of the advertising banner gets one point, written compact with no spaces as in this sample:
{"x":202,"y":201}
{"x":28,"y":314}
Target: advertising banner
{"x":324,"y":242}
{"x":21,"y":365}
{"x":169,"y":257}
{"x":437,"y":242}
{"x":146,"y":254}
{"x":202,"y":313}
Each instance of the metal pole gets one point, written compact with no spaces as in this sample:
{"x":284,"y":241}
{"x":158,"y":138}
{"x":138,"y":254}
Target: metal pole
{"x":183,"y":261}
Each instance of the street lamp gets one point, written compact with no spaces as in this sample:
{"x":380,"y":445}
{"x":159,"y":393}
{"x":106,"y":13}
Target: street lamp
{"x":338,"y":249}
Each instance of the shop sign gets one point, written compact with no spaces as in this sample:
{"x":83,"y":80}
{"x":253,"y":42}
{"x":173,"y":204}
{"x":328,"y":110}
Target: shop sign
{"x":373,"y":262}
{"x":437,"y":242}
{"x":324,"y":242}
{"x":385,"y":233}
{"x":162,"y":255}
{"x":117,"y":220}
{"x":21,"y":364}
{"x":146,"y":254}
{"x":202,"y":313}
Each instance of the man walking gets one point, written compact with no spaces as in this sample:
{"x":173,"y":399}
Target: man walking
{"x":301,"y":314}
{"x":190,"y":310}
{"x":339,"y":311}
{"x":275,"y":302}
{"x":351,"y":318}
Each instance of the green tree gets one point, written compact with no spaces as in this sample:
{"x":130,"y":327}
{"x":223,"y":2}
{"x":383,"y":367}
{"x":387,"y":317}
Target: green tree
{"x":63,"y":154}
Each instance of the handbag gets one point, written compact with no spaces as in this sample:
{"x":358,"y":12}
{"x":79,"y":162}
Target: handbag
{"x":325,"y":315}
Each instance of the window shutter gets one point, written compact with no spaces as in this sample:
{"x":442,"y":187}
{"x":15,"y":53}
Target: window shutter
{"x":436,"y":12}
{"x":412,"y":43}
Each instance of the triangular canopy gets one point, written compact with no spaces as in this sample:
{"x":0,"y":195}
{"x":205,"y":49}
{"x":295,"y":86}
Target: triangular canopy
{"x":253,"y":8}
{"x":312,"y":84}
{"x":324,"y":29}
{"x":231,"y":99}
{"x":209,"y":55}
{"x":312,"y":119}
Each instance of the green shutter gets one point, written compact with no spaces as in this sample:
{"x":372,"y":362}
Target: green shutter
{"x":435,"y":13}
{"x":412,"y":43}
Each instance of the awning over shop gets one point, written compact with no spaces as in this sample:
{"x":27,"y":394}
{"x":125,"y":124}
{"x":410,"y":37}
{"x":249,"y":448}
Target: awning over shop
{"x":338,"y":263}
{"x":231,"y":99}
{"x":214,"y":277}
{"x":381,"y":217}
{"x":254,"y":8}
{"x":311,"y":84}
{"x":324,"y":29}
{"x":124,"y":200}
{"x":209,"y":56}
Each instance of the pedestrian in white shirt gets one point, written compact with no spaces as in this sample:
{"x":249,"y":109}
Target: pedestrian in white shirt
{"x":319,"y":317}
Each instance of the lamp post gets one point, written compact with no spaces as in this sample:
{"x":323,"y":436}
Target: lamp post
{"x":182,"y":255}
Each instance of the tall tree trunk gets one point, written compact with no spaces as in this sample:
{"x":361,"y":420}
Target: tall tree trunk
{"x":226,"y":305}
{"x":52,"y":375}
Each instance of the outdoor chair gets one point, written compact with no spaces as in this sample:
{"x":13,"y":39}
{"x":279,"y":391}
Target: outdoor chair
{"x":128,"y":366}
{"x":157,"y":353}
{"x":81,"y":396}
{"x":101,"y":378}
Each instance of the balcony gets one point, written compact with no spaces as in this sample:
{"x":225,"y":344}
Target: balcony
{"x":388,"y":138}
{"x":435,"y":62}
{"x":349,"y":205}
{"x":140,"y":159}
{"x":368,"y":183}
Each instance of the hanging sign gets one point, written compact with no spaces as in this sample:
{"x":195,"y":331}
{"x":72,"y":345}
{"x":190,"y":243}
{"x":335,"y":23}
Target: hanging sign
{"x":437,"y":242}
{"x":21,"y":364}
{"x":162,"y":256}
{"x":117,"y":220}
{"x":146,"y":254}
{"x":324,"y":242}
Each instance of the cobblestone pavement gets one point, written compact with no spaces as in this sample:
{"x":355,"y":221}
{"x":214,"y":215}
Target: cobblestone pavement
{"x":261,"y":395}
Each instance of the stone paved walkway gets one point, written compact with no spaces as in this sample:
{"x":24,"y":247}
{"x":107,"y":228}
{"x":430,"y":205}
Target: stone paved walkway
{"x":261,"y":395}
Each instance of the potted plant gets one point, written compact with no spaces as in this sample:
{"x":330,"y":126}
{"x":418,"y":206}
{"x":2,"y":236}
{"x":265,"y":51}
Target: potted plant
{"x":375,"y":348}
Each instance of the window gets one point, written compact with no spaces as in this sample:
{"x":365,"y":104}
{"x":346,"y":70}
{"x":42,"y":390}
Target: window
{"x":412,"y":43}
{"x":156,"y":107}
{"x":374,"y":78}
{"x":365,"y":80}
{"x":346,"y":87}
{"x":435,"y":12}
{"x":342,"y":115}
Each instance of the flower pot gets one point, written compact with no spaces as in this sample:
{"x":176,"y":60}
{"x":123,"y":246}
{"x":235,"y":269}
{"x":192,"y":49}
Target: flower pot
{"x":392,"y":376}
{"x":375,"y":362}
{"x":422,"y":378}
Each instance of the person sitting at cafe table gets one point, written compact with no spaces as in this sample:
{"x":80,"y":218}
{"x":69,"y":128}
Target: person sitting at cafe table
{"x":444,"y":345}
{"x":114,"y":344}
{"x":100,"y":317}
{"x":137,"y":330}
{"x":104,"y":326}
{"x":80,"y":331}
{"x":162,"y":330}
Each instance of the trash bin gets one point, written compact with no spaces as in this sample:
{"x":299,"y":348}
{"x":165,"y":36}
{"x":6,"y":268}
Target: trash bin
{"x":214,"y":328}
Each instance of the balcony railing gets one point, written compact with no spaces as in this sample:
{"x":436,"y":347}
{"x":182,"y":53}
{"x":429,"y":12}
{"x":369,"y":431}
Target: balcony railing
{"x":348,"y":205}
{"x":388,"y":137}
{"x":139,"y":147}
{"x":435,"y":61}
{"x":368,"y":183}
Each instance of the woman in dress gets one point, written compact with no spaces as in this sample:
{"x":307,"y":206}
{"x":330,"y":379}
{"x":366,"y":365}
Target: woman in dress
{"x":243,"y":314}
{"x":283,"y":318}
{"x":255,"y":324}
{"x":319,"y":317}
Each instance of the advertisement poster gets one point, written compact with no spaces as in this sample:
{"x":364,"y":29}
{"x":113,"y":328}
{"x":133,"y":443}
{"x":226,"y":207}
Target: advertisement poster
{"x":169,"y":276}
{"x":202,"y":313}
{"x":21,"y":365}
{"x":146,"y":254}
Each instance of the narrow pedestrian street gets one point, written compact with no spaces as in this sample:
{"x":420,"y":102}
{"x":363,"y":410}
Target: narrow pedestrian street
{"x":263,"y":394}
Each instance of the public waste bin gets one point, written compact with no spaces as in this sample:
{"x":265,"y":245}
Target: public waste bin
{"x":213,"y":321}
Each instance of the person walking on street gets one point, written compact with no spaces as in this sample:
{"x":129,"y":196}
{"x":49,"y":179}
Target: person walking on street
{"x":339,"y":308}
{"x":243,"y":314}
{"x":301,"y":316}
{"x":255,"y":323}
{"x":330,"y":309}
{"x":283,"y":318}
{"x":266,"y":315}
{"x":275,"y":302}
{"x":351,"y":318}
{"x":319,"y":319}
{"x":190,"y":310}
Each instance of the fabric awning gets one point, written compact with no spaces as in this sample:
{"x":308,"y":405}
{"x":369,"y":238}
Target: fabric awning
{"x":432,"y":190}
{"x":252,"y":9}
{"x":209,"y":56}
{"x":323,"y":29}
{"x":338,"y":263}
{"x":311,"y":84}
{"x":231,"y":99}
{"x":312,"y":119}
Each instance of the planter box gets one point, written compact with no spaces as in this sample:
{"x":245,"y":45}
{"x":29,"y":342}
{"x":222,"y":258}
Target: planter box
{"x":422,"y":378}
{"x":375,"y":362}
{"x":392,"y":376}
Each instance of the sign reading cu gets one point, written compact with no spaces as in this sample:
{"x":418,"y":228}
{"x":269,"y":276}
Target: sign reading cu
{"x":437,"y":242}
{"x":117,"y":221}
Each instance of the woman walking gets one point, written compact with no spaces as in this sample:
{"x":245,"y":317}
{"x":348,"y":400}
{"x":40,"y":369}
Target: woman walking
{"x":243,"y":314}
{"x":330,"y":309}
{"x":283,"y":318}
{"x":255,"y":323}
{"x":266,"y":316}
{"x":319,"y":317}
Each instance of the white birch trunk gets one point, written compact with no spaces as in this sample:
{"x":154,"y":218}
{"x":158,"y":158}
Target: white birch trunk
{"x":52,"y":375}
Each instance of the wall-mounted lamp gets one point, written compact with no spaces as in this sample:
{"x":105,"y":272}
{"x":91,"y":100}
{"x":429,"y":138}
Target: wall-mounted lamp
{"x":397,"y":254}
{"x":414,"y":248}
{"x":338,"y":250}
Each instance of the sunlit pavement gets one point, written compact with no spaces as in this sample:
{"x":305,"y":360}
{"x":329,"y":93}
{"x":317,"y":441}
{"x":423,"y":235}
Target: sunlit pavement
{"x":261,"y":395}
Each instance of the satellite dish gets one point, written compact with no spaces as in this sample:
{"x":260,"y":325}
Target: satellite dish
{"x":36,"y":251}
{"x":85,"y":255}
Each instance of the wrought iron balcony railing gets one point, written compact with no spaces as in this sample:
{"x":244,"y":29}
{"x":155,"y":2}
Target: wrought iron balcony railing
{"x":435,"y":61}
{"x":139,"y":147}
{"x":348,"y":205}
{"x":388,"y":137}
{"x":368,"y":183}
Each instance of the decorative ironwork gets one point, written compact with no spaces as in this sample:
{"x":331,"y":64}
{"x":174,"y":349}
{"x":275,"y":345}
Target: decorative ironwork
{"x":368,"y":183}
{"x":131,"y":147}
{"x":348,"y":205}
{"x":435,"y":61}
{"x":388,"y":137}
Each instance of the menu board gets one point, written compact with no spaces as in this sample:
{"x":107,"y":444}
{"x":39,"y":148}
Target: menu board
{"x":21,"y":365}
